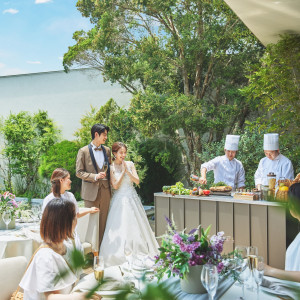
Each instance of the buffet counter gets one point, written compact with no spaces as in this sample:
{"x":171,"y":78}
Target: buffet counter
{"x":256,"y":223}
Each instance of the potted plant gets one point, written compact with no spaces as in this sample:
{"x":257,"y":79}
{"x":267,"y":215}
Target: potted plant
{"x":183,"y":254}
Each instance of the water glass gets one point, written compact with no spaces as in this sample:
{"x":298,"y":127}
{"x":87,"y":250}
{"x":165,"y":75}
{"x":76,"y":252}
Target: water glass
{"x":258,"y":272}
{"x":209,"y":279}
{"x":99,"y":268}
{"x":6,"y":217}
{"x":138,"y":270}
{"x":240,"y":254}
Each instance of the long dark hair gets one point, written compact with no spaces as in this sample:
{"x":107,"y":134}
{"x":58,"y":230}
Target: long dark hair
{"x":59,"y":173}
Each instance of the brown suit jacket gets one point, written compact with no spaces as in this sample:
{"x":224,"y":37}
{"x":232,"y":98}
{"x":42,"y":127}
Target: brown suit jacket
{"x":86,"y":171}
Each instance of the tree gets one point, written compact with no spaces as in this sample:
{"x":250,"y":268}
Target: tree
{"x":26,"y":138}
{"x":183,"y":61}
{"x":274,"y":92}
{"x":62,"y":155}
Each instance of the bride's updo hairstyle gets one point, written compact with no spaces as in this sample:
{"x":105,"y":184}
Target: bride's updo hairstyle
{"x":116,"y":146}
{"x":57,"y":175}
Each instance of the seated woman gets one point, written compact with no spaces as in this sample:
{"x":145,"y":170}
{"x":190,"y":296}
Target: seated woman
{"x":61,"y":183}
{"x":41,"y":279}
{"x":292,"y":258}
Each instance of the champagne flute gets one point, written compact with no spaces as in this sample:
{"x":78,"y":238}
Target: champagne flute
{"x":105,"y":167}
{"x":6,"y":217}
{"x":240,"y":254}
{"x":99,"y":268}
{"x":259,"y":272}
{"x":252,"y":253}
{"x":209,"y":279}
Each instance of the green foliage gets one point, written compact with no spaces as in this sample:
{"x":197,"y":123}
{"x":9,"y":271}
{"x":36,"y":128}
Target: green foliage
{"x":274,"y":91}
{"x":62,"y":155}
{"x":163,"y":162}
{"x":184,"y":63}
{"x":26,"y":138}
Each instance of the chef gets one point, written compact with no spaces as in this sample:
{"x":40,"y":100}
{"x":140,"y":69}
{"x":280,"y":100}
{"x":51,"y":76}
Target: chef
{"x":274,"y":162}
{"x":226,"y":168}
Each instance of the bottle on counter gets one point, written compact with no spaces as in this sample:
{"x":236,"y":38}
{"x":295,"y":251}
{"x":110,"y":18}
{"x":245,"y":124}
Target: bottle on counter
{"x":271,"y":180}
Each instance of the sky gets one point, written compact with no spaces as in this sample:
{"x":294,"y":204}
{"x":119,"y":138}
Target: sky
{"x":35,"y":34}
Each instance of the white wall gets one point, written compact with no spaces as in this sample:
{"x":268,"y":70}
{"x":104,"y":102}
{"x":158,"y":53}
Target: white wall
{"x":66,"y":96}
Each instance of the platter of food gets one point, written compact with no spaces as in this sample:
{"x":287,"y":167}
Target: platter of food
{"x":220,"y":188}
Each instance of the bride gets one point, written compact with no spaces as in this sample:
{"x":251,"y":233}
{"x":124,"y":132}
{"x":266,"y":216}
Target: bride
{"x":127,"y":221}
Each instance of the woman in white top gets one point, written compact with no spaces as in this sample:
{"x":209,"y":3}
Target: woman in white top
{"x":292,"y":257}
{"x":42,"y":278}
{"x":61,"y":183}
{"x":127,"y":221}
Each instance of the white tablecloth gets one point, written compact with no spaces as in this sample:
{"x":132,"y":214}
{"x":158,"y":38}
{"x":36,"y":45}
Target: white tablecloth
{"x":227,"y":289}
{"x":22,"y":241}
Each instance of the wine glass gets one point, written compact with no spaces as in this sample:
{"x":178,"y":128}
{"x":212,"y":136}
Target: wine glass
{"x":128,"y":251}
{"x":209,"y":279}
{"x":240,"y":254}
{"x":258,"y":272}
{"x":6,"y":217}
{"x":99,"y":268}
{"x":138,"y":270}
{"x":35,"y":212}
{"x":252,"y":253}
{"x":105,"y":167}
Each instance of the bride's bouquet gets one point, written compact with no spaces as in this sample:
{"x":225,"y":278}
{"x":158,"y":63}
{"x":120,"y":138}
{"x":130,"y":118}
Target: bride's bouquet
{"x":181,"y":250}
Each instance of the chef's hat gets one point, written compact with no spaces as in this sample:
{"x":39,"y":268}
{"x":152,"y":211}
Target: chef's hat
{"x":271,"y":141}
{"x":232,"y":142}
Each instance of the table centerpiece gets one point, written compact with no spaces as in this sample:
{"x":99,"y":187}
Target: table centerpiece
{"x":183,"y":254}
{"x":9,"y":204}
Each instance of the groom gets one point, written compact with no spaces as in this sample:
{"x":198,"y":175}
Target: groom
{"x":90,"y":162}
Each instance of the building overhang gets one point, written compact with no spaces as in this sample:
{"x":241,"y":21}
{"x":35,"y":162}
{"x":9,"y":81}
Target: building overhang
{"x":268,"y":19}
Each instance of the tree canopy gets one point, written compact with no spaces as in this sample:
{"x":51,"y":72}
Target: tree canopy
{"x":183,"y":61}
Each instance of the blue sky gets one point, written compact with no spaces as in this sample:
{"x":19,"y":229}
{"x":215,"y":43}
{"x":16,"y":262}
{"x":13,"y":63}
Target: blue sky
{"x":35,"y":34}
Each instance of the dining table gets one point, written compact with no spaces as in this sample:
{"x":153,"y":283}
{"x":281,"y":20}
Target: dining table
{"x":228,"y":288}
{"x":23,"y":240}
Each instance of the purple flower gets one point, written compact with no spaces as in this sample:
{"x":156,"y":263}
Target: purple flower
{"x":193,"y":231}
{"x":220,"y":267}
{"x":191,"y":238}
{"x":176,"y":271}
{"x":170,"y":223}
{"x":177,"y":239}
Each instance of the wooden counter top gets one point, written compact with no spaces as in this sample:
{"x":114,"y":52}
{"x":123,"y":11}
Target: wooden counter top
{"x":218,"y":198}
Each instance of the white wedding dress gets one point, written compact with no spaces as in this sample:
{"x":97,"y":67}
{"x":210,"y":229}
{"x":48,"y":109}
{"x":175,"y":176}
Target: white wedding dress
{"x":126,"y":221}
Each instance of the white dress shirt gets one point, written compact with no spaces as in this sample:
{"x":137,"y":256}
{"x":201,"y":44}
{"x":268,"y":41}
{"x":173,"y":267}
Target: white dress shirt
{"x":281,"y":166}
{"x":99,"y":156}
{"x":229,"y":171}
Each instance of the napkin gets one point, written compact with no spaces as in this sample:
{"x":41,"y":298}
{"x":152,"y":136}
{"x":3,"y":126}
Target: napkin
{"x":283,"y":288}
{"x":111,"y":284}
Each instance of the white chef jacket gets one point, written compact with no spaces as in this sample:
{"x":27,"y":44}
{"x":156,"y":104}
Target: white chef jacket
{"x":281,"y":166}
{"x":229,"y":171}
{"x":292,"y":257}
